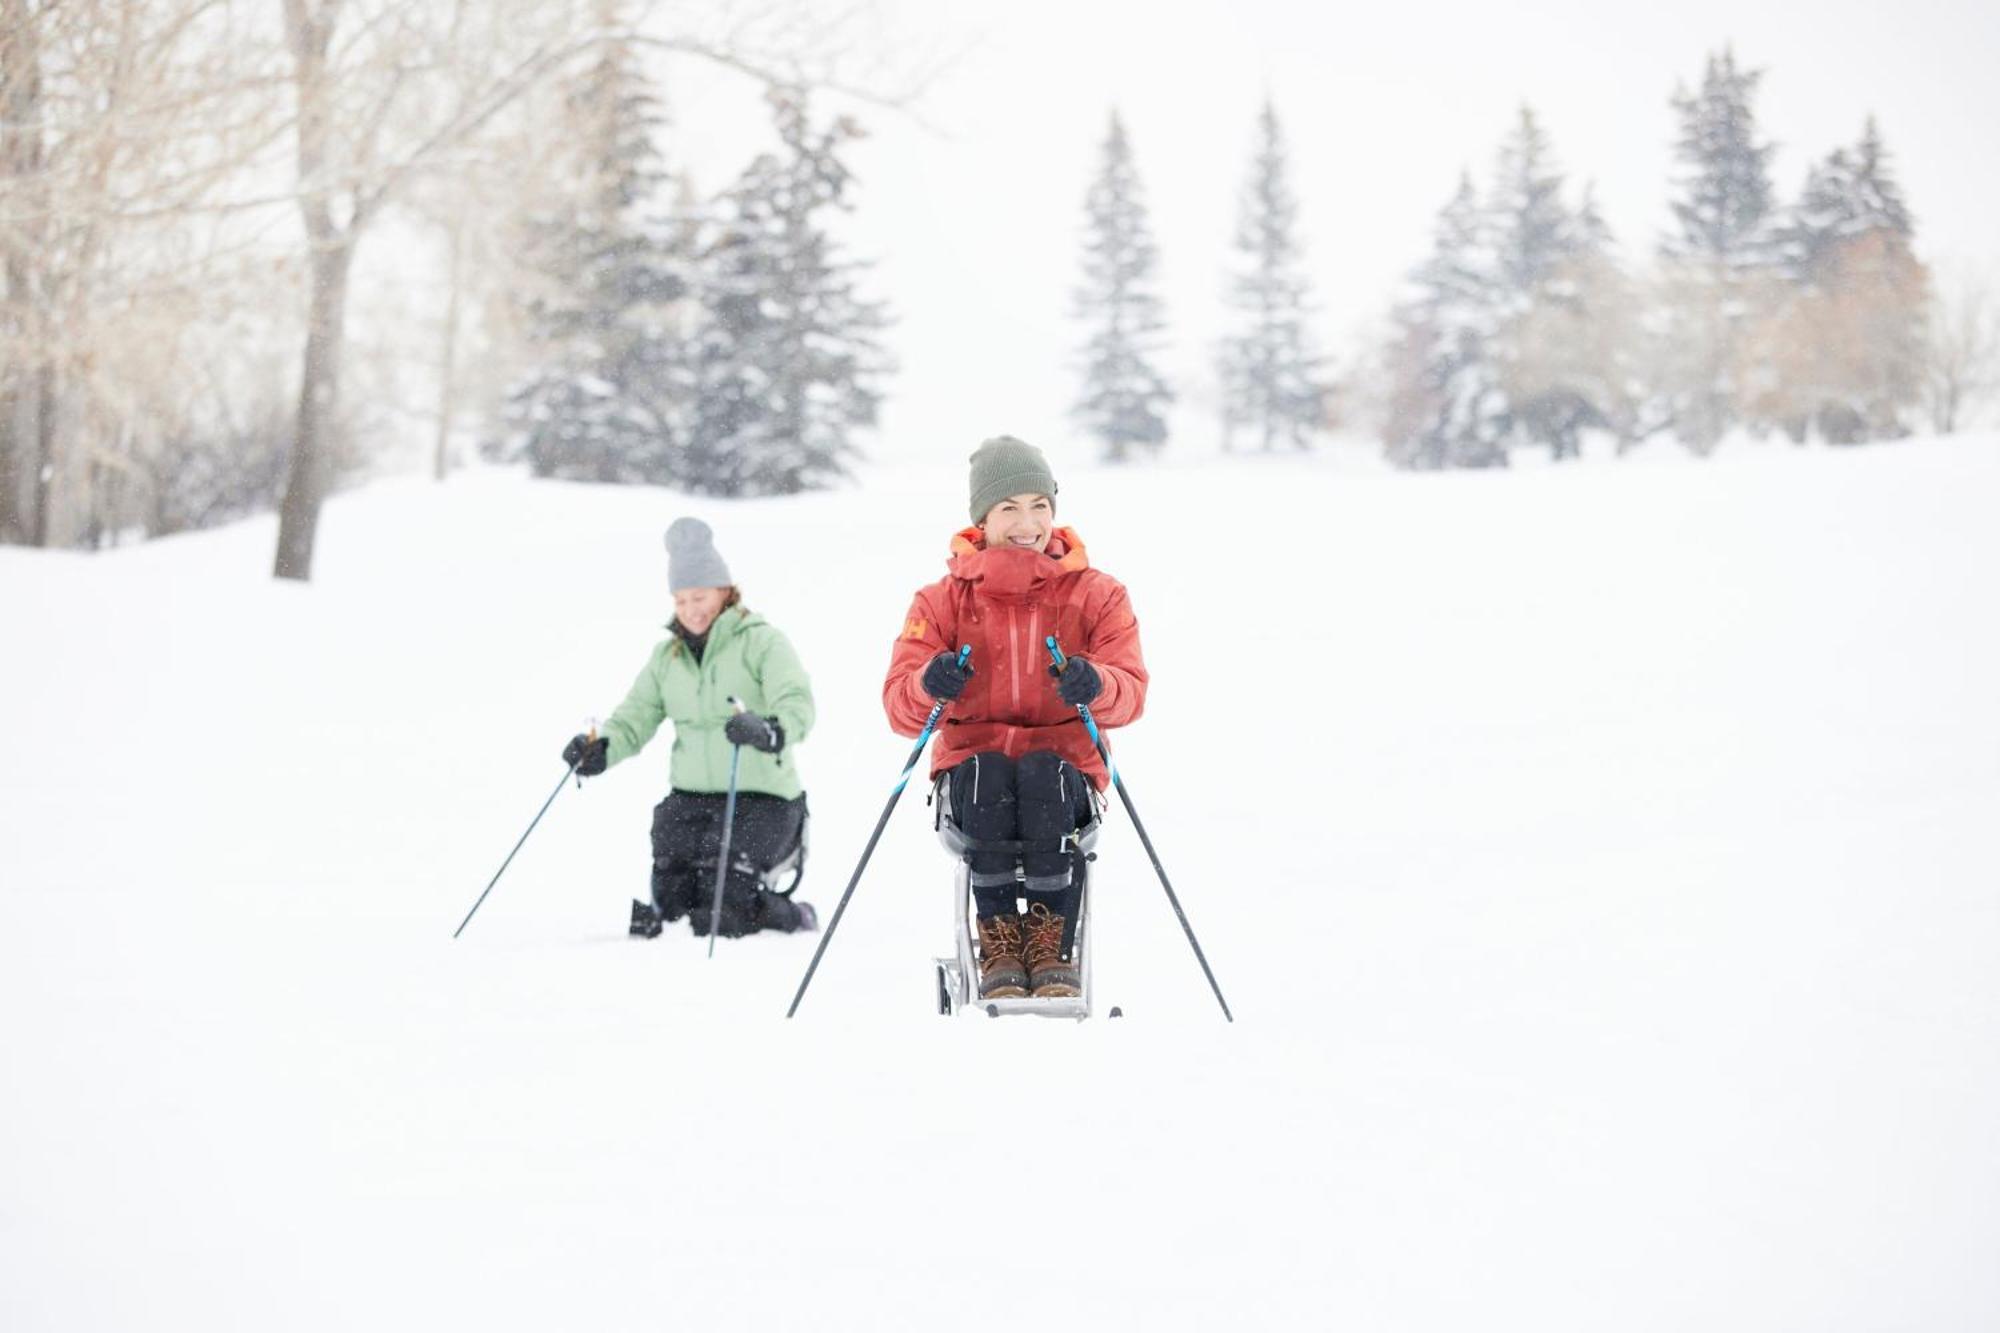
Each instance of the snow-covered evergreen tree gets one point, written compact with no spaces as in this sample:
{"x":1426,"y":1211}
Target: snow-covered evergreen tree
{"x":787,"y":358}
{"x":1533,"y":233}
{"x":1511,"y":332}
{"x":1446,"y":407}
{"x":1849,"y":193}
{"x":1585,"y":340}
{"x":1124,"y":399}
{"x":607,"y":401}
{"x":1270,"y":372}
{"x":1553,"y":274}
{"x":1845,"y":348}
{"x":1718,"y":266}
{"x":1725,"y":194}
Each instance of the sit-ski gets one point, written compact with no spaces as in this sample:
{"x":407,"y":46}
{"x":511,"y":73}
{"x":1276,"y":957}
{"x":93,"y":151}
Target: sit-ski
{"x":957,"y":977}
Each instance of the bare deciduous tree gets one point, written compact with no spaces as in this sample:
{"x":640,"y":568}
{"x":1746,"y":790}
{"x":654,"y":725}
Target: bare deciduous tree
{"x":120,"y":123}
{"x":1962,"y":348}
{"x":385,"y":90}
{"x":145,"y":151}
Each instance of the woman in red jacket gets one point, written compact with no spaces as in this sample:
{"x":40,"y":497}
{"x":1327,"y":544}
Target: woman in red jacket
{"x":1019,"y":762}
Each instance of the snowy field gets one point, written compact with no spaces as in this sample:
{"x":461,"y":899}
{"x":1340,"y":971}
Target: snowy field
{"x":1603,"y":865}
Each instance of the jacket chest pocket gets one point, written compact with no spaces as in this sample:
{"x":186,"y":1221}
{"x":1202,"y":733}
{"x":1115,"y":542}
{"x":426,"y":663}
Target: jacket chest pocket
{"x":681,"y":694}
{"x":1066,"y":623}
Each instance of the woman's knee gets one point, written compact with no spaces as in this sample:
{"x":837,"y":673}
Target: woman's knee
{"x":1043,"y":775}
{"x":983,"y":782}
{"x":686,"y":827}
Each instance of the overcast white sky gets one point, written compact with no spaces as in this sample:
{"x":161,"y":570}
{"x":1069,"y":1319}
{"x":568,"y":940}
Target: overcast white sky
{"x":974,"y":217}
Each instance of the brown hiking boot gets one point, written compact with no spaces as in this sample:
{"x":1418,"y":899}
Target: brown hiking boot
{"x":1001,"y":974}
{"x":1051,"y":977}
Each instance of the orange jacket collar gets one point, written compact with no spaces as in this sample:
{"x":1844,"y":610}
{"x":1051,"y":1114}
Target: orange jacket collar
{"x":1065,"y":547}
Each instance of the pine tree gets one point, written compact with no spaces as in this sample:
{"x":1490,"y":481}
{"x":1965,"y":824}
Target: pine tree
{"x":1553,"y":275}
{"x":1512,"y":332}
{"x":1725,"y":193}
{"x":787,"y":359}
{"x":1446,"y":406}
{"x":1847,"y":194}
{"x":607,"y":401}
{"x":1846,"y":347}
{"x":1719,"y":269}
{"x":1270,"y":372}
{"x":1533,"y":233}
{"x":1124,"y":398}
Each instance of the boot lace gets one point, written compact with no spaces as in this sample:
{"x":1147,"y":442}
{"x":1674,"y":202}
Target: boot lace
{"x":1044,"y":935}
{"x":999,"y":937}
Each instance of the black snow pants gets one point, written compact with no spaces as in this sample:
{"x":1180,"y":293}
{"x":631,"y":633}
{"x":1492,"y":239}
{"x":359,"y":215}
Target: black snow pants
{"x":1041,"y":796}
{"x":687,"y":837}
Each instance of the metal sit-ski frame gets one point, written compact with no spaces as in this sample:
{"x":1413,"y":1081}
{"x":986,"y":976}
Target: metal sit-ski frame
{"x":958,"y":976}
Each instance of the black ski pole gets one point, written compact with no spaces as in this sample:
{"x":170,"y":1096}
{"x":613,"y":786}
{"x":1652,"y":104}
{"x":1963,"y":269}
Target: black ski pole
{"x":728,"y":827}
{"x":517,"y":847}
{"x":923,"y":738}
{"x":1104,"y":753}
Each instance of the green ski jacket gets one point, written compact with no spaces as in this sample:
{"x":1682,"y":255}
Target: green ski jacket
{"x":745,"y":656}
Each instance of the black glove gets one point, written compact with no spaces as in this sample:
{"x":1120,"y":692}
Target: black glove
{"x":944,"y":678}
{"x":1078,"y":682}
{"x":588,"y":757}
{"x":759,"y":733}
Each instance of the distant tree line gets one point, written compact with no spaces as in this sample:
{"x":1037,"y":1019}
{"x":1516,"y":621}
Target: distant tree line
{"x":188,"y":189}
{"x":1527,"y":327}
{"x":722,"y":346}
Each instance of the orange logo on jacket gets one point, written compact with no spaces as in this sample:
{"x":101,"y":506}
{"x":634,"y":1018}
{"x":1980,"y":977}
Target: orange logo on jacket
{"x":917,"y":628}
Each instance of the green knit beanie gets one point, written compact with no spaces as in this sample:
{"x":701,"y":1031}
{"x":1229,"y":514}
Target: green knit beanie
{"x":1005,"y":466}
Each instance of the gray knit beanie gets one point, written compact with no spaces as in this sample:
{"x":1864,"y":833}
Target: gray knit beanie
{"x":692,"y":560}
{"x":1005,"y":466}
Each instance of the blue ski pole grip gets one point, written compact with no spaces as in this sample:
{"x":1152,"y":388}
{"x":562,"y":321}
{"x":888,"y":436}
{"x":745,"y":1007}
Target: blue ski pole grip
{"x":930,"y":724}
{"x":1082,"y":710}
{"x":937,"y":709}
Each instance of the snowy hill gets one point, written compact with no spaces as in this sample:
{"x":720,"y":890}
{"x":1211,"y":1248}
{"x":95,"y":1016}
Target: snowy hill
{"x":1601,"y":863}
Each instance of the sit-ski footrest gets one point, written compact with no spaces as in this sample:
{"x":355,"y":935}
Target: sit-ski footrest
{"x":1065,"y":1006}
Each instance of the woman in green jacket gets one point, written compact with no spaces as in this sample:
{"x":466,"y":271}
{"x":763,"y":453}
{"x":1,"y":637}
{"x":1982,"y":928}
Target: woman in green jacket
{"x":716,"y":649}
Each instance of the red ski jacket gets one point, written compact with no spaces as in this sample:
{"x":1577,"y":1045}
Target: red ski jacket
{"x":1005,"y":603}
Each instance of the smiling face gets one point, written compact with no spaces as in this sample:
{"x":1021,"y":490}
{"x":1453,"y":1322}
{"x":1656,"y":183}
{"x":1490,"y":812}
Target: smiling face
{"x":1026,"y":521}
{"x":697,"y":608}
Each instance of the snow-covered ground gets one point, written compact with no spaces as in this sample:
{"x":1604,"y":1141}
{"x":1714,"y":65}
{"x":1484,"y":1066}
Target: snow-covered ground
{"x":1603,"y":865}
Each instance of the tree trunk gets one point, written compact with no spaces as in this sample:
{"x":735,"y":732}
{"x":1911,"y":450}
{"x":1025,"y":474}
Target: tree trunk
{"x":448,"y":371}
{"x":313,"y":444}
{"x":43,"y":459}
{"x":27,"y":439}
{"x":23,"y":405}
{"x":309,"y":31}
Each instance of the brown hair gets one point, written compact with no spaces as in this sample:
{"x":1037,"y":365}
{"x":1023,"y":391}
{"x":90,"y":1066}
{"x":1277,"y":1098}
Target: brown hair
{"x":734,"y":597}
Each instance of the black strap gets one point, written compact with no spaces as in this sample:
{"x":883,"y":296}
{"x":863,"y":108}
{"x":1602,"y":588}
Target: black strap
{"x":1064,"y":845}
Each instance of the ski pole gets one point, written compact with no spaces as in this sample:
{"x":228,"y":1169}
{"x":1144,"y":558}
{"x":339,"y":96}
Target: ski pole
{"x":923,"y":738}
{"x":1104,"y":752}
{"x":728,"y":827}
{"x":517,"y":847}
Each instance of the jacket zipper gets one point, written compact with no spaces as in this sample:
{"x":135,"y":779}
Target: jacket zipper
{"x":1014,"y":647}
{"x":1034,"y":637}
